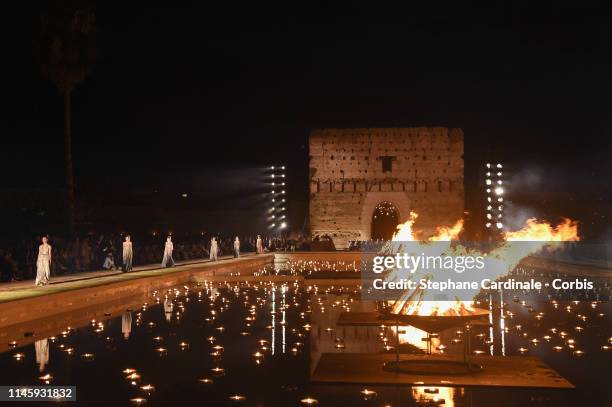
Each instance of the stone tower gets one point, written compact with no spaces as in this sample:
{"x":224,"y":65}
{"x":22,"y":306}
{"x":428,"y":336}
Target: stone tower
{"x":353,"y":170}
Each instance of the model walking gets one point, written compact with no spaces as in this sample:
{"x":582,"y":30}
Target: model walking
{"x":127,"y":254}
{"x":259,"y":245}
{"x":214,"y":249}
{"x":168,"y":261}
{"x":43,"y":263}
{"x":236,"y":247}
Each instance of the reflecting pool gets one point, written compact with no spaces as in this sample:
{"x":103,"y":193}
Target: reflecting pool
{"x":256,"y":344}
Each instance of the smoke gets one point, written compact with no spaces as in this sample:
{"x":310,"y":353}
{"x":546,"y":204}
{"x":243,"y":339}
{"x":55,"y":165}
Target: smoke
{"x":515,"y":215}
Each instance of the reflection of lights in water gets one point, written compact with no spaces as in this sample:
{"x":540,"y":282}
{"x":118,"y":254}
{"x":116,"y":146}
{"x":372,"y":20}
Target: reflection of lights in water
{"x":438,"y":395}
{"x":138,"y":401}
{"x":237,"y":397}
{"x":309,"y":401}
{"x":417,"y":337}
{"x":206,"y":381}
{"x":368,"y":394}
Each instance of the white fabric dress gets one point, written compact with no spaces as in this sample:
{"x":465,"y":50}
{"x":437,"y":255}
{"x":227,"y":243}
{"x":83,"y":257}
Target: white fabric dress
{"x":259,"y":246}
{"x":127,"y":256}
{"x":214,"y":250}
{"x":168,"y":261}
{"x":43,"y":264}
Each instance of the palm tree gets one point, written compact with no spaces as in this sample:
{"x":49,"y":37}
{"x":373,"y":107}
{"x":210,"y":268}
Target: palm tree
{"x":67,"y":53}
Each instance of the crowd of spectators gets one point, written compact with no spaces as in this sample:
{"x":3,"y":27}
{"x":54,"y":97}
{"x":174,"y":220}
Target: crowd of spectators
{"x":91,"y":252}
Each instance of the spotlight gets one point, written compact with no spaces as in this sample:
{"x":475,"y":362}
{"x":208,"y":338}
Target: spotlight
{"x":499,"y":166}
{"x":283,"y":192}
{"x":499,"y":225}
{"x":283,"y":184}
{"x":273,"y":216}
{"x":273,"y":183}
{"x":274,"y":224}
{"x":488,"y":181}
{"x":273,"y":175}
{"x":273,"y":200}
{"x":499,"y":190}
{"x":272,"y":167}
{"x":488,"y":166}
{"x":283,"y":208}
{"x":283,"y":175}
{"x":283,"y":225}
{"x":283,"y":200}
{"x":283,"y":167}
{"x":488,"y":224}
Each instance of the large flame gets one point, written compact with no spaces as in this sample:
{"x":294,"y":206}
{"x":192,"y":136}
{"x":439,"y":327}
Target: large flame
{"x":500,"y":260}
{"x":535,"y":231}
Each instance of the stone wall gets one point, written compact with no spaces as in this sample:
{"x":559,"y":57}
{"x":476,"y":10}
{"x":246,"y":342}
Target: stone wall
{"x":348,"y":178}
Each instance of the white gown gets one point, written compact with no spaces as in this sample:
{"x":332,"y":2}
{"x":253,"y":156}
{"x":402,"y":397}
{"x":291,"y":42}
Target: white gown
{"x":168,"y":261}
{"x":43,"y":264}
{"x":127,"y":256}
{"x":259,"y":246}
{"x":214,"y":250}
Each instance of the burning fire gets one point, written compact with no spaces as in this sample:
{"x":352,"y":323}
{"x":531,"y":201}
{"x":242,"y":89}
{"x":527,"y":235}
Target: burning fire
{"x":500,"y":260}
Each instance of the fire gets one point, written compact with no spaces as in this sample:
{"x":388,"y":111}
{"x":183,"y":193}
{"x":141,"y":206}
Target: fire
{"x":499,"y":261}
{"x":543,"y":232}
{"x":445,"y":234}
{"x":404,"y":231}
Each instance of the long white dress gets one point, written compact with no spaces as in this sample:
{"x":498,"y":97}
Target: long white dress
{"x":214,"y":250}
{"x":259,"y":246}
{"x":168,"y":261}
{"x":127,"y":256}
{"x":236,"y":248}
{"x":43,"y":264}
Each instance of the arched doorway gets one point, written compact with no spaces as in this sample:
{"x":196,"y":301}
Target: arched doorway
{"x":385,"y":219}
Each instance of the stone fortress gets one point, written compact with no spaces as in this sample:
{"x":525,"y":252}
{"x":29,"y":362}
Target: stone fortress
{"x":354,"y":171}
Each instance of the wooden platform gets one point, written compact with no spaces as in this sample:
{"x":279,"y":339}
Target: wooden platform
{"x":373,"y":319}
{"x":498,"y":371}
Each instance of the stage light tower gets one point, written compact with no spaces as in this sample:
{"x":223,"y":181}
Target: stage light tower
{"x":495,"y":191}
{"x":277,"y":197}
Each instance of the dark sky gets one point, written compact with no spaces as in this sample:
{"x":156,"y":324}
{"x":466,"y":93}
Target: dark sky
{"x":199,"y":100}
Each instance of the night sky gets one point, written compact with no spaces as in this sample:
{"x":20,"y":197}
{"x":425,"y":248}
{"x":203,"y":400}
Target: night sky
{"x":199,"y":100}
